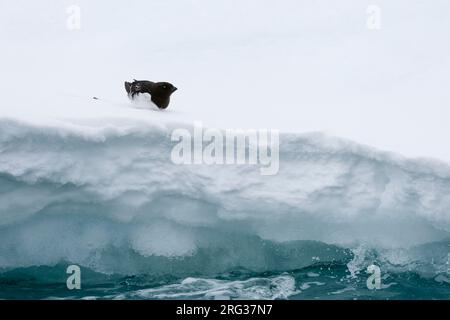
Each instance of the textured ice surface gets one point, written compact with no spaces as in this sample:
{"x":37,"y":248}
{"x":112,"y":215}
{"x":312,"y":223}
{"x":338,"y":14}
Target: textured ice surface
{"x":84,"y":195}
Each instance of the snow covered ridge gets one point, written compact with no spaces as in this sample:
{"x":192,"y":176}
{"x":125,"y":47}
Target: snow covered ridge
{"x":227,"y":147}
{"x":77,"y":195}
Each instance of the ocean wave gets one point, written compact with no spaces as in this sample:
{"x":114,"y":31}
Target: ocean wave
{"x":111,"y":199}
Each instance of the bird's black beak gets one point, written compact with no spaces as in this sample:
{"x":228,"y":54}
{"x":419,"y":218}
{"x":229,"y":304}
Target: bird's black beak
{"x":174,"y":89}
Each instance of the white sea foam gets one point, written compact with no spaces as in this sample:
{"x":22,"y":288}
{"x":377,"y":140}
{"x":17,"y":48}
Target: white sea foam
{"x":279,"y":287}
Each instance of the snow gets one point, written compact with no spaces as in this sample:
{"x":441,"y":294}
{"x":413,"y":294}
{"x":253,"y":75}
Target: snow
{"x":91,"y":181}
{"x":296,"y":66}
{"x":118,"y":187}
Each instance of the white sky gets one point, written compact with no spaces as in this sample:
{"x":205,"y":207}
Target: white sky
{"x":290,"y":65}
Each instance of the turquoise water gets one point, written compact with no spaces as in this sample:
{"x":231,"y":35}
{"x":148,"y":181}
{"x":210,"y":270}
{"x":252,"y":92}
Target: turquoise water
{"x":322,"y":280}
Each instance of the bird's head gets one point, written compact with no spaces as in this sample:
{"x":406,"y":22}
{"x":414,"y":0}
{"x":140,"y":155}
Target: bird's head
{"x":161,"y":93}
{"x":165,"y":88}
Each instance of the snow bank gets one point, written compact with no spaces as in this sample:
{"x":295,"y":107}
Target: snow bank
{"x":87,"y":195}
{"x":91,"y":181}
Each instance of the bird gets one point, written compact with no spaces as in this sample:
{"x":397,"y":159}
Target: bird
{"x":159,"y":91}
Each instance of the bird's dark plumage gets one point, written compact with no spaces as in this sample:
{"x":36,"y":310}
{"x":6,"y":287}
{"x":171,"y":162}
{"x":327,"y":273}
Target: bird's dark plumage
{"x":159,"y":91}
